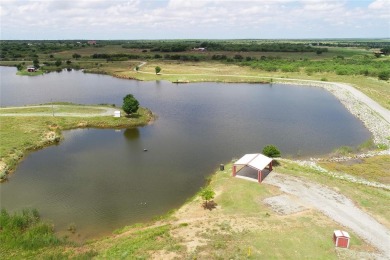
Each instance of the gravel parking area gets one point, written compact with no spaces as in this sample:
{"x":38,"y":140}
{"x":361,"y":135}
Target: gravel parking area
{"x":336,"y":206}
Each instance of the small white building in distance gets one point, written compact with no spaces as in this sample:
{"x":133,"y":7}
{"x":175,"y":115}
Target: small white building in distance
{"x":117,"y":113}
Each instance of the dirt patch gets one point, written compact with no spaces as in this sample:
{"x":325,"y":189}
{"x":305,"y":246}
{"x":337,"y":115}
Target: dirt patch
{"x":52,"y":137}
{"x":3,"y":171}
{"x":3,"y":166}
{"x":163,"y":254}
{"x":82,"y":124}
{"x":284,"y":204}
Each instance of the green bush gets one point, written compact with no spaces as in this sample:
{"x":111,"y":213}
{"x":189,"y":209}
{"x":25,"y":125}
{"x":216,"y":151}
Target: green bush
{"x":384,"y":75}
{"x":271,"y":151}
{"x":383,"y":146}
{"x":207,"y":194}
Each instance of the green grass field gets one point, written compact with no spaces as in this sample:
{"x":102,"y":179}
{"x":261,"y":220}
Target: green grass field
{"x":241,"y":226}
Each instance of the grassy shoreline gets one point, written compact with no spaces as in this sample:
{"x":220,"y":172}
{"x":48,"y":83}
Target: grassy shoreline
{"x":22,"y":134}
{"x":241,"y":226}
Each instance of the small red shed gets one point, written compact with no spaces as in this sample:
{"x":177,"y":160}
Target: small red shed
{"x":341,"y":238}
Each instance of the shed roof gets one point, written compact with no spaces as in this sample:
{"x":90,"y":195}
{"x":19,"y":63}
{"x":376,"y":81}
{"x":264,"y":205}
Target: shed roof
{"x":339,"y":233}
{"x":254,"y":160}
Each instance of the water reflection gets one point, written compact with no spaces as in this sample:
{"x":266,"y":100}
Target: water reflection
{"x":132,"y":134}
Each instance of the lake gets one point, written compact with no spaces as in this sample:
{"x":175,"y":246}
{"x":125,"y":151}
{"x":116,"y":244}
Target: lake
{"x":100,"y":180}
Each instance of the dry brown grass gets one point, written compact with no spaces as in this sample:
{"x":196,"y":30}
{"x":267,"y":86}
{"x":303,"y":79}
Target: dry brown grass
{"x":374,"y":168}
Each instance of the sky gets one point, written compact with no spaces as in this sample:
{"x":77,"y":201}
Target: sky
{"x":193,"y":19}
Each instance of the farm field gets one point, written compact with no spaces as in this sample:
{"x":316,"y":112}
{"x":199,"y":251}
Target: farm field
{"x":242,"y":224}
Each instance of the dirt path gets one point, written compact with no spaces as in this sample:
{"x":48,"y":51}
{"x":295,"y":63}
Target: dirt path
{"x":336,"y":206}
{"x":105,"y":111}
{"x":139,"y":66}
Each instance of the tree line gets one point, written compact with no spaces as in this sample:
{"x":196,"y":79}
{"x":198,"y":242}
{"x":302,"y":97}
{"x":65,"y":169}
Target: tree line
{"x":361,"y":65}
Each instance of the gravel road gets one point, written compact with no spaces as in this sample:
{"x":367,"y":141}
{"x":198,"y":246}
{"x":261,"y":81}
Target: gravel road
{"x":105,"y":111}
{"x":336,"y":206}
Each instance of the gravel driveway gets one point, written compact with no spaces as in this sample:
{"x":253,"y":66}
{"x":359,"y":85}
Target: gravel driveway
{"x":336,"y":206}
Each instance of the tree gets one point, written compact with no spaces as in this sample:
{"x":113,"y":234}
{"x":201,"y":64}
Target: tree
{"x":157,"y":69}
{"x":36,"y":63}
{"x":271,"y":151}
{"x":19,"y":66}
{"x":207,"y":194}
{"x":76,"y":56}
{"x":386,"y":50}
{"x":58,"y":62}
{"x":130,"y":104}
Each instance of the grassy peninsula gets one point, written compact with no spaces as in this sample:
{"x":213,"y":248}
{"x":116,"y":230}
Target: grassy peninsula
{"x":29,"y":128}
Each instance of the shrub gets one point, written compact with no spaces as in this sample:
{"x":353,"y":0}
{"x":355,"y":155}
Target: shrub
{"x":58,"y":63}
{"x":383,"y":146}
{"x":343,"y":150}
{"x":207,"y":194}
{"x":384,"y":75}
{"x":271,"y":151}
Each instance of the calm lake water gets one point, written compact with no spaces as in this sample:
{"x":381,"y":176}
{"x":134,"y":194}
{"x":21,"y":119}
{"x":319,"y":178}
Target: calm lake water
{"x":101,"y":180}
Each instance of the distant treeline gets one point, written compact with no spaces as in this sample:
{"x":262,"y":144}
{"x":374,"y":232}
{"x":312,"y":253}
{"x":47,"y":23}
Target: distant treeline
{"x":251,"y":46}
{"x":29,"y":49}
{"x":124,"y":56}
{"x":365,"y":44}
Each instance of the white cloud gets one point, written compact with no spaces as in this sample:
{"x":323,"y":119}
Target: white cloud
{"x":190,"y":18}
{"x":380,"y":4}
{"x":323,"y":6}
